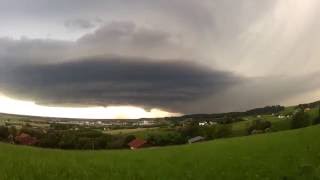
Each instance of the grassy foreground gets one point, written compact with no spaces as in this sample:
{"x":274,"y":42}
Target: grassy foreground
{"x":283,"y":155}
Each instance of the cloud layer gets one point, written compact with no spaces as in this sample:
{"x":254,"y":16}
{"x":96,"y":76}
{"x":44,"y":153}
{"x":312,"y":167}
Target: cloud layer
{"x":213,"y":55}
{"x":114,"y":81}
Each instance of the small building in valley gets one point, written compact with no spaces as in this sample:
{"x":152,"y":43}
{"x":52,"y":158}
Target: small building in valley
{"x":204,"y":123}
{"x":26,"y":139}
{"x":137,"y":144}
{"x":196,"y":139}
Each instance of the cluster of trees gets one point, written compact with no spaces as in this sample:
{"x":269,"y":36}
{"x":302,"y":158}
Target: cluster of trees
{"x":84,"y":139}
{"x":302,"y":119}
{"x":317,"y":120}
{"x":4,"y":133}
{"x":67,"y":138}
{"x":166,"y":138}
{"x":209,"y":132}
{"x":229,"y":120}
{"x":189,"y":130}
{"x":7,"y":133}
{"x":217,"y":131}
{"x":259,"y":126}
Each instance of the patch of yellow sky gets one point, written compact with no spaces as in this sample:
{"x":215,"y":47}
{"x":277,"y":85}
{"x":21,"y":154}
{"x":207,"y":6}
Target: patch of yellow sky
{"x":14,"y":106}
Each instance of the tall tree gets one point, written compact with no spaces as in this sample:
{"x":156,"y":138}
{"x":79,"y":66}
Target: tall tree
{"x":300,"y":120}
{"x":317,"y":120}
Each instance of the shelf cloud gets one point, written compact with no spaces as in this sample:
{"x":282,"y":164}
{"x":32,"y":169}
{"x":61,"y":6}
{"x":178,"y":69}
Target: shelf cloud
{"x":182,"y":55}
{"x":114,"y":81}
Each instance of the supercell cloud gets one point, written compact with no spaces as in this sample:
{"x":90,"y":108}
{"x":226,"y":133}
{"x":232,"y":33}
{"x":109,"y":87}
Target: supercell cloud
{"x":114,"y":81}
{"x":183,"y":55}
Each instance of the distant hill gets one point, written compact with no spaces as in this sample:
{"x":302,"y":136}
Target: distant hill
{"x":256,"y":111}
{"x":309,"y":105}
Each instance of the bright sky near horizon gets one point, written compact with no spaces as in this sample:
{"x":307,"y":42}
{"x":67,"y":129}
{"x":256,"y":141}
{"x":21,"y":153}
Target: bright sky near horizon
{"x":12,"y":106}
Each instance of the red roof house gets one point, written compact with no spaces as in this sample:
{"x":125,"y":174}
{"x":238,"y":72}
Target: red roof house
{"x":137,"y":143}
{"x":26,"y":139}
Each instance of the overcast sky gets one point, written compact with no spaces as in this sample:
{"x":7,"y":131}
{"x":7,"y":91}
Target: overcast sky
{"x":185,"y":56}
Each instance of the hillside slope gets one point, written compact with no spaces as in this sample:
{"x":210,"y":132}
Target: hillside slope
{"x":284,"y":155}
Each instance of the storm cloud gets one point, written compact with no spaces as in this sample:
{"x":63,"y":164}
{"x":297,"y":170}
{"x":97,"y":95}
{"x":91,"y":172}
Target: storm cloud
{"x":114,"y":81}
{"x":194,"y":56}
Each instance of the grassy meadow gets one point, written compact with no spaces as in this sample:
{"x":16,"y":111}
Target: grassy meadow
{"x":282,"y":155}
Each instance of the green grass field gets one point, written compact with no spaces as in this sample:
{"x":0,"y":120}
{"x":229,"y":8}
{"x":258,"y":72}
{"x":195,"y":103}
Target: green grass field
{"x":283,"y":155}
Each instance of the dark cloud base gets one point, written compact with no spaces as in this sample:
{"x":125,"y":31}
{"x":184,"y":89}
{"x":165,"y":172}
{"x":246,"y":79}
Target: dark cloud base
{"x":114,"y":81}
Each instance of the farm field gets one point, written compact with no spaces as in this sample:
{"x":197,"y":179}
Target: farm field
{"x":291,"y":154}
{"x":129,"y":131}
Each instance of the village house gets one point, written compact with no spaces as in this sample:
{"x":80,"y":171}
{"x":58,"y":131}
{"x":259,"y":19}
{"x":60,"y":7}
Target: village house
{"x":144,"y":123}
{"x":213,"y":123}
{"x":196,"y":139}
{"x":204,"y":123}
{"x":26,"y":139}
{"x":137,"y":144}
